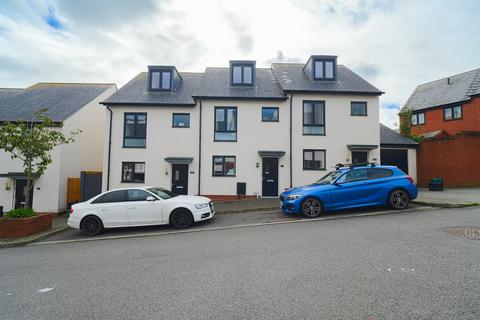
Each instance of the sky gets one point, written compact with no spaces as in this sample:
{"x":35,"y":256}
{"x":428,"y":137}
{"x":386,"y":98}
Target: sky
{"x":395,"y":45}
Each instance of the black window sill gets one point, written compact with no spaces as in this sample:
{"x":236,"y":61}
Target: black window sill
{"x":180,"y":127}
{"x":225,"y":140}
{"x":124,"y":181}
{"x":314,"y":134}
{"x":223,"y":176}
{"x":359,"y":115}
{"x":306,"y":169}
{"x":126,"y":147}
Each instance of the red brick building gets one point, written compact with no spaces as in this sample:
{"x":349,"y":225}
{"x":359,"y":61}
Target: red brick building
{"x":446,"y":113}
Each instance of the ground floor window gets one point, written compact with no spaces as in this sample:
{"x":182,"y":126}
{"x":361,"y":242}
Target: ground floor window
{"x":224,"y":166}
{"x":313,"y":159}
{"x":133,"y":172}
{"x":359,"y":157}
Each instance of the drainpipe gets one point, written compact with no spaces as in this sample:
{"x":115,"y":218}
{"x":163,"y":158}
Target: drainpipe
{"x":109,"y":147}
{"x":291,"y":164}
{"x":200,"y":147}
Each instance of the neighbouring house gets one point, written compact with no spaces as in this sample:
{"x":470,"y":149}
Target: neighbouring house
{"x":446,"y":114}
{"x":398,"y":150}
{"x":241,"y":129}
{"x":72,"y":106}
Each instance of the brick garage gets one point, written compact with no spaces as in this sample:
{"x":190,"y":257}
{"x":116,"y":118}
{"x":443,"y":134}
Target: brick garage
{"x":454,"y":158}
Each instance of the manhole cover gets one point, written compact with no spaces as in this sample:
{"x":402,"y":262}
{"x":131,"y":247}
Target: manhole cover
{"x":469,"y":233}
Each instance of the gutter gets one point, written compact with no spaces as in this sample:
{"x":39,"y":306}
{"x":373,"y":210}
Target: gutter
{"x":290,"y":133}
{"x":109,"y":147}
{"x":200,"y":147}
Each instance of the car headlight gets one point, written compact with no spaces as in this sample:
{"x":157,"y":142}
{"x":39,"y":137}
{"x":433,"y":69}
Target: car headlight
{"x":293,"y":196}
{"x":201,"y":206}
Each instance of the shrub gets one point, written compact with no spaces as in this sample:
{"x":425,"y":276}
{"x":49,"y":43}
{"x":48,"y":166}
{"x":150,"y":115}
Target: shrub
{"x":20,"y":213}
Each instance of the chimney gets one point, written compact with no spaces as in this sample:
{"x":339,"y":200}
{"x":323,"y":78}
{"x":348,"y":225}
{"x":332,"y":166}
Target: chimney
{"x":448,"y":80}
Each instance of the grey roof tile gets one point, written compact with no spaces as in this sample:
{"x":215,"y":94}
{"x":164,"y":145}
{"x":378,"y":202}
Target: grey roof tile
{"x":440,"y":92}
{"x":292,"y":77}
{"x":135,"y":92}
{"x":216,"y":84}
{"x":391,"y":137}
{"x":6,"y":93}
{"x":60,"y":99}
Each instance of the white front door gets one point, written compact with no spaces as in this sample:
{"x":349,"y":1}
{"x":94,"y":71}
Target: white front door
{"x":143,"y":212}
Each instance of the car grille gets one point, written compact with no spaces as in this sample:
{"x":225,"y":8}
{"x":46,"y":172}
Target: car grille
{"x":282,"y":197}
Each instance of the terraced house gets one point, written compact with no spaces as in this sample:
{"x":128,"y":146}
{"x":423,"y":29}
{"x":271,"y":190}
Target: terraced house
{"x":239,"y":129}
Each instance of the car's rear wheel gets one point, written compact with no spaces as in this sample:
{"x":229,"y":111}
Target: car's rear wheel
{"x":91,"y":226}
{"x":398,"y":199}
{"x":181,"y":218}
{"x":312,"y":208}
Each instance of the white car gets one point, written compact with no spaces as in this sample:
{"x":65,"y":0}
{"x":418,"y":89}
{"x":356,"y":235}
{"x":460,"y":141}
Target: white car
{"x":142,"y":206}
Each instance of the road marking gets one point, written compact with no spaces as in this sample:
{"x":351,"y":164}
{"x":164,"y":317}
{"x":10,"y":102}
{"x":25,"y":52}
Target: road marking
{"x":44,"y":290}
{"x":238,"y":226}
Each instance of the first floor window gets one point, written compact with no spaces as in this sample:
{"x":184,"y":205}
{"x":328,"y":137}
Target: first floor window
{"x":181,"y":120}
{"x":451,"y":113}
{"x":133,"y":172}
{"x":135,"y":130}
{"x":418,"y":118}
{"x":225,"y":124}
{"x":224,"y":166}
{"x":270,"y":114}
{"x":313,"y":117}
{"x":358,"y":108}
{"x":313,"y":159}
{"x":160,"y":80}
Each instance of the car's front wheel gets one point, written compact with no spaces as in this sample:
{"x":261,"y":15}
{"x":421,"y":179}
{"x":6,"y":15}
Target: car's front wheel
{"x":398,"y":199}
{"x":181,"y":218}
{"x":91,"y":226}
{"x":312,"y":208}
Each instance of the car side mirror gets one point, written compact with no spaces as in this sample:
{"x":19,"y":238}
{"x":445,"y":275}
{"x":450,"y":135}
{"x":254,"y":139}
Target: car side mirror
{"x":150,"y":198}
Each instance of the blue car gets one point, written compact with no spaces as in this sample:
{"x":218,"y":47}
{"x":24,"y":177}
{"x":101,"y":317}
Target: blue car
{"x":351,"y":186}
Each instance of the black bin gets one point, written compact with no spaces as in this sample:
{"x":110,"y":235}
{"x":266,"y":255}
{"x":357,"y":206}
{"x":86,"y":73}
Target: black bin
{"x":435,"y":184}
{"x":1,"y":211}
{"x":241,"y":188}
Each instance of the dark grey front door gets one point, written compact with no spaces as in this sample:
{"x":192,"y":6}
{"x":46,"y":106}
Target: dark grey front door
{"x":269,"y":177}
{"x":180,"y":178}
{"x":359,"y":157}
{"x":20,"y":186}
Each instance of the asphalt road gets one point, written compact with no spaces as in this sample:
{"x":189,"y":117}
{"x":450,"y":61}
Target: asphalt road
{"x":396,"y":266}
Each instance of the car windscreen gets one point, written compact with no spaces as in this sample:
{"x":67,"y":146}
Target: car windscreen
{"x":162,"y":193}
{"x":329,"y":178}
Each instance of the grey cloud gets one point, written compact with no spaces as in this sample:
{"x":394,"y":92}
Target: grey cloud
{"x":280,"y":57}
{"x":241,"y":31}
{"x":367,"y":70}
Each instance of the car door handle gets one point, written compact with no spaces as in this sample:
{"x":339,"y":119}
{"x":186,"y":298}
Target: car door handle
{"x":270,"y":180}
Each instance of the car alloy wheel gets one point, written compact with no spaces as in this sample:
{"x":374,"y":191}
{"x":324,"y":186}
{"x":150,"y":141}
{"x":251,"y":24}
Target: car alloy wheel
{"x":92,"y":226}
{"x":311,"y":208}
{"x":399,"y":199}
{"x":181,"y":218}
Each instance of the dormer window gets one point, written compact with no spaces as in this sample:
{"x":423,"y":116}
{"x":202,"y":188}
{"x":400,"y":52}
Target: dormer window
{"x":242,"y":73}
{"x":324,"y":69}
{"x":160,"y":80}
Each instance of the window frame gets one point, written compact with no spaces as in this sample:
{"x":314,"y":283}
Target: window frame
{"x":180,"y":114}
{"x":313,"y":157}
{"x":324,"y":69}
{"x":271,"y":108}
{"x":417,"y":117}
{"x":359,"y":102}
{"x":132,"y":181}
{"x":314,"y":125}
{"x":125,"y":194}
{"x":160,"y":81}
{"x":223,"y":164}
{"x":225,"y":108}
{"x":452,"y":108}
{"x":136,"y":114}
{"x":369,"y":170}
{"x":133,"y":189}
{"x":345,"y":174}
{"x":242,"y":74}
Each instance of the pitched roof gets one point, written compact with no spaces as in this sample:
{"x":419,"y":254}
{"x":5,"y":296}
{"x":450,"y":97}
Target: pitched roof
{"x":292,"y":77}
{"x":391,"y":137}
{"x":9,"y":92}
{"x":445,"y":91}
{"x":60,"y":99}
{"x":216,"y":84}
{"x":136,"y":92}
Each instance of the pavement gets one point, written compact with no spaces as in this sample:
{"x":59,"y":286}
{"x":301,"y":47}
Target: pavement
{"x":449,"y":197}
{"x":419,"y":264}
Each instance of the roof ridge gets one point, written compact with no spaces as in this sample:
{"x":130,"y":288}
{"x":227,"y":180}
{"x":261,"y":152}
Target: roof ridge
{"x":444,"y":78}
{"x":75,"y":83}
{"x":11,"y":88}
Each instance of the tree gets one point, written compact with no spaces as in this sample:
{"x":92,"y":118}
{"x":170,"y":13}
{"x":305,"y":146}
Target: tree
{"x":406,"y":122}
{"x":32,"y":142}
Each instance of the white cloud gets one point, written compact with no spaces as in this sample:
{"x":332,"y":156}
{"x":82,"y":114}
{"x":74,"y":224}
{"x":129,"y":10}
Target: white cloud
{"x":395,"y":45}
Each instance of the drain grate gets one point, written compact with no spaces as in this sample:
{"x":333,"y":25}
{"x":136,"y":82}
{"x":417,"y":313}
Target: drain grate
{"x":469,"y":233}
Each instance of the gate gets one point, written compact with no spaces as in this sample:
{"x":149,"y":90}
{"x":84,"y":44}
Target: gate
{"x":90,"y":184}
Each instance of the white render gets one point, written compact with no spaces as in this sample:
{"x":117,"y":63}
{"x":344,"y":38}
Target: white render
{"x":85,"y":154}
{"x":253,"y":135}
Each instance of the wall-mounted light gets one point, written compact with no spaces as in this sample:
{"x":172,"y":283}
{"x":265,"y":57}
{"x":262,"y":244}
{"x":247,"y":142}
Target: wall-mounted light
{"x":166,"y":171}
{"x":257,"y":164}
{"x":7,"y":186}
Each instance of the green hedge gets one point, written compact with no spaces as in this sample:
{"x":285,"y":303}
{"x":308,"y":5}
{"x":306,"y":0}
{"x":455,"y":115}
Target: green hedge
{"x":20,"y":213}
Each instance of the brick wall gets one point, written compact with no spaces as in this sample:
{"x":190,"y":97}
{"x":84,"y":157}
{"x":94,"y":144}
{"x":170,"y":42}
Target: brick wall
{"x":454,"y":158}
{"x":434,"y":119}
{"x":15,"y":228}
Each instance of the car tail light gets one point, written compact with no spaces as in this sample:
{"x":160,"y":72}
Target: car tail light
{"x":71,"y":210}
{"x":410,"y":179}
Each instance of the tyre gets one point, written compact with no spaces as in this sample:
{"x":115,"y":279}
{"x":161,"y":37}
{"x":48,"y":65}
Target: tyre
{"x":312,"y":208}
{"x":398,"y":199}
{"x":181,"y":218}
{"x":91,"y":226}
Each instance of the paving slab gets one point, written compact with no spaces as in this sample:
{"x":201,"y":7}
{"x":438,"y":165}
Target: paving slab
{"x":449,"y":197}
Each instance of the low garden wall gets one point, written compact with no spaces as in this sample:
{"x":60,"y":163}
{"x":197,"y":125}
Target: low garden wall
{"x":23,"y":227}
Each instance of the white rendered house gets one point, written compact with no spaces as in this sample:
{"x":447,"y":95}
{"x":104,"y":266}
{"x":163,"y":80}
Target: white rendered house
{"x":71,"y":106}
{"x":239,"y":129}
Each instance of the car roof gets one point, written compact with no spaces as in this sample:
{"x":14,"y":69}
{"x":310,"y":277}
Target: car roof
{"x":366,"y":167}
